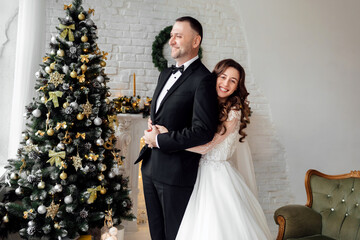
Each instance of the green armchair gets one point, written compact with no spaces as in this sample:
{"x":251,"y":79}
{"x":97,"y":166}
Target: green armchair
{"x":332,"y":211}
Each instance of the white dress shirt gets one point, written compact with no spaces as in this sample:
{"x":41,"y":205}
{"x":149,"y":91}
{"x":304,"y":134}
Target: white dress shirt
{"x":170,"y":82}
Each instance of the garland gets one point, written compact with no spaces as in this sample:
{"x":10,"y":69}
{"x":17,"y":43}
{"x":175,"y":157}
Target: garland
{"x":161,"y":39}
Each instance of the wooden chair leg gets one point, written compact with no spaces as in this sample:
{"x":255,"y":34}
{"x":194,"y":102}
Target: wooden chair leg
{"x":281,"y":222}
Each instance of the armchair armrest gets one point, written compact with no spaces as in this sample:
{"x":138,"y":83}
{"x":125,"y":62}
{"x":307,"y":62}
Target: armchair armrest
{"x":297,"y":221}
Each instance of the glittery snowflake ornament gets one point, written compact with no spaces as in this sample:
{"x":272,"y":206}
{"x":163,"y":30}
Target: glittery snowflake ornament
{"x":56,"y":78}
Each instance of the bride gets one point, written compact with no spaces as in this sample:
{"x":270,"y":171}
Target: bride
{"x":222,"y":206}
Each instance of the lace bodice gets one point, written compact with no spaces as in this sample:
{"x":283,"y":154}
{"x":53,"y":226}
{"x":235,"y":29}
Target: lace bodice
{"x":222,"y":147}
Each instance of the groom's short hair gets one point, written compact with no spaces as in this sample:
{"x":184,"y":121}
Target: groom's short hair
{"x":194,"y":24}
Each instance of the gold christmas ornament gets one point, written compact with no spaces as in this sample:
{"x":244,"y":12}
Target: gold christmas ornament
{"x":85,"y":50}
{"x":63,"y":175}
{"x":108,"y":94}
{"x":50,"y":132}
{"x":101,"y":177}
{"x":84,"y":38}
{"x":66,"y":104}
{"x":87,"y":108}
{"x":107,"y":101}
{"x":103,"y":63}
{"x":6,"y":219}
{"x":81,"y":16}
{"x":52,"y":210}
{"x":83,"y":68}
{"x":60,"y":53}
{"x":103,"y":191}
{"x":73,"y":74}
{"x":41,"y":185}
{"x":56,"y":225}
{"x":103,"y":167}
{"x":80,"y":116}
{"x":52,"y":65}
{"x":56,"y":78}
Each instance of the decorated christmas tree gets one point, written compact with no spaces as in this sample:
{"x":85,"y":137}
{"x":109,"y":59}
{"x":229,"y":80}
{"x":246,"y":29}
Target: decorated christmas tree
{"x":67,"y":176}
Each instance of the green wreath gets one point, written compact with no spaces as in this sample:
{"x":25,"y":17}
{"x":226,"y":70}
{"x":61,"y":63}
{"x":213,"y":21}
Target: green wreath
{"x":157,"y":49}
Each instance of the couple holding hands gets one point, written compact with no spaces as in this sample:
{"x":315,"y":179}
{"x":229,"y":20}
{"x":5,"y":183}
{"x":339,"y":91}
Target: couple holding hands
{"x":197,"y":172}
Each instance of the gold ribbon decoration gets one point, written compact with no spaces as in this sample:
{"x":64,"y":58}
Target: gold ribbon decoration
{"x":112,"y":119}
{"x":26,"y":213}
{"x":82,"y":135}
{"x":42,"y":88}
{"x":108,"y":218}
{"x":104,"y":55}
{"x":67,"y":6}
{"x":109,"y":144}
{"x":45,"y":59}
{"x":93,"y":193}
{"x":81,"y":78}
{"x":55,"y":157}
{"x":92,"y":156}
{"x":67,"y":139}
{"x":41,"y":133}
{"x":91,"y":11}
{"x":61,"y":125}
{"x":84,"y":58}
{"x":67,"y":31}
{"x":54,"y":97}
{"x":23,"y":165}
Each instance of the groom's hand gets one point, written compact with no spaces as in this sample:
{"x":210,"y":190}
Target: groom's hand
{"x":150,"y":136}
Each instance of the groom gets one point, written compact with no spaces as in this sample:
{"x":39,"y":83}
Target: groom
{"x":184,"y":101}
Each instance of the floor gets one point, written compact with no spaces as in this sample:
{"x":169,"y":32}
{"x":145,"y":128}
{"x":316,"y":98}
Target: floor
{"x":141,"y":234}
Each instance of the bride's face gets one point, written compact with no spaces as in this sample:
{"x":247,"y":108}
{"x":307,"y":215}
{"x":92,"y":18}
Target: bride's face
{"x":227,"y":83}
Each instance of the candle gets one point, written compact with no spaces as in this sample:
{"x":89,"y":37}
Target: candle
{"x":134,"y":86}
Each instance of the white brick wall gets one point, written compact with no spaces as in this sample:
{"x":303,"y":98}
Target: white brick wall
{"x":126,"y":30}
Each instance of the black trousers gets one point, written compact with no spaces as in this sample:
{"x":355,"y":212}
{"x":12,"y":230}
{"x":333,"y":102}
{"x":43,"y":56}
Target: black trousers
{"x":165,"y":205}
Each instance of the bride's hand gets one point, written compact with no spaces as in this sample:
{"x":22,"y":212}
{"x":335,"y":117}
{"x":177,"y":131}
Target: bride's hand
{"x":162,"y":129}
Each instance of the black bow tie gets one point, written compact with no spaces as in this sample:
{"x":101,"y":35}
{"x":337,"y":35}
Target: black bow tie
{"x":174,"y":69}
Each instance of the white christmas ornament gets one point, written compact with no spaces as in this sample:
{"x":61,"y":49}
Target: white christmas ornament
{"x":36,"y":113}
{"x":37,"y":74}
{"x":48,"y":69}
{"x":53,"y":40}
{"x":65,"y":69}
{"x":68,"y":199}
{"x":97,"y":121}
{"x":100,"y":79}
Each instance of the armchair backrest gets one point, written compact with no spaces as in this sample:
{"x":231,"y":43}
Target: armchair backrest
{"x":337,"y":199}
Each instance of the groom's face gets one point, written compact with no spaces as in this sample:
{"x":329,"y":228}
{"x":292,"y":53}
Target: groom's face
{"x":182,"y":42}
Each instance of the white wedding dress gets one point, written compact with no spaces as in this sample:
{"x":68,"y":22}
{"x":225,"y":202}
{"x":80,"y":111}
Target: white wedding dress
{"x":222,"y":206}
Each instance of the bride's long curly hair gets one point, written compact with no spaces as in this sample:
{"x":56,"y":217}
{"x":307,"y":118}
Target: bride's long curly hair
{"x":237,"y":100}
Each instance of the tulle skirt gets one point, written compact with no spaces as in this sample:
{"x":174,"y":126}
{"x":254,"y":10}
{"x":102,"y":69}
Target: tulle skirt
{"x":222,"y":207}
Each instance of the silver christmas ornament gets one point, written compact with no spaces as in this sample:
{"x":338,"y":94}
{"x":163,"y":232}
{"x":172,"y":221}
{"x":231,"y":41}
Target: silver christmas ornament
{"x":68,"y":199}
{"x":38,"y":74}
{"x":52,"y":52}
{"x":89,"y":22}
{"x":68,"y":18}
{"x":61,"y":146}
{"x":58,"y":188}
{"x":53,"y":40}
{"x":29,"y":141}
{"x":31,"y":223}
{"x":65,"y":69}
{"x":100,"y":79}
{"x":97,"y":121}
{"x":74,"y":105}
{"x":19,"y":191}
{"x":99,"y":141}
{"x":41,"y":209}
{"x":14,"y":176}
{"x":36,"y":113}
{"x":43,"y":99}
{"x":41,"y":185}
{"x":111,"y":175}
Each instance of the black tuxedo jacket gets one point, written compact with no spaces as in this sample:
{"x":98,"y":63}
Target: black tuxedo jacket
{"x":190,"y":112}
